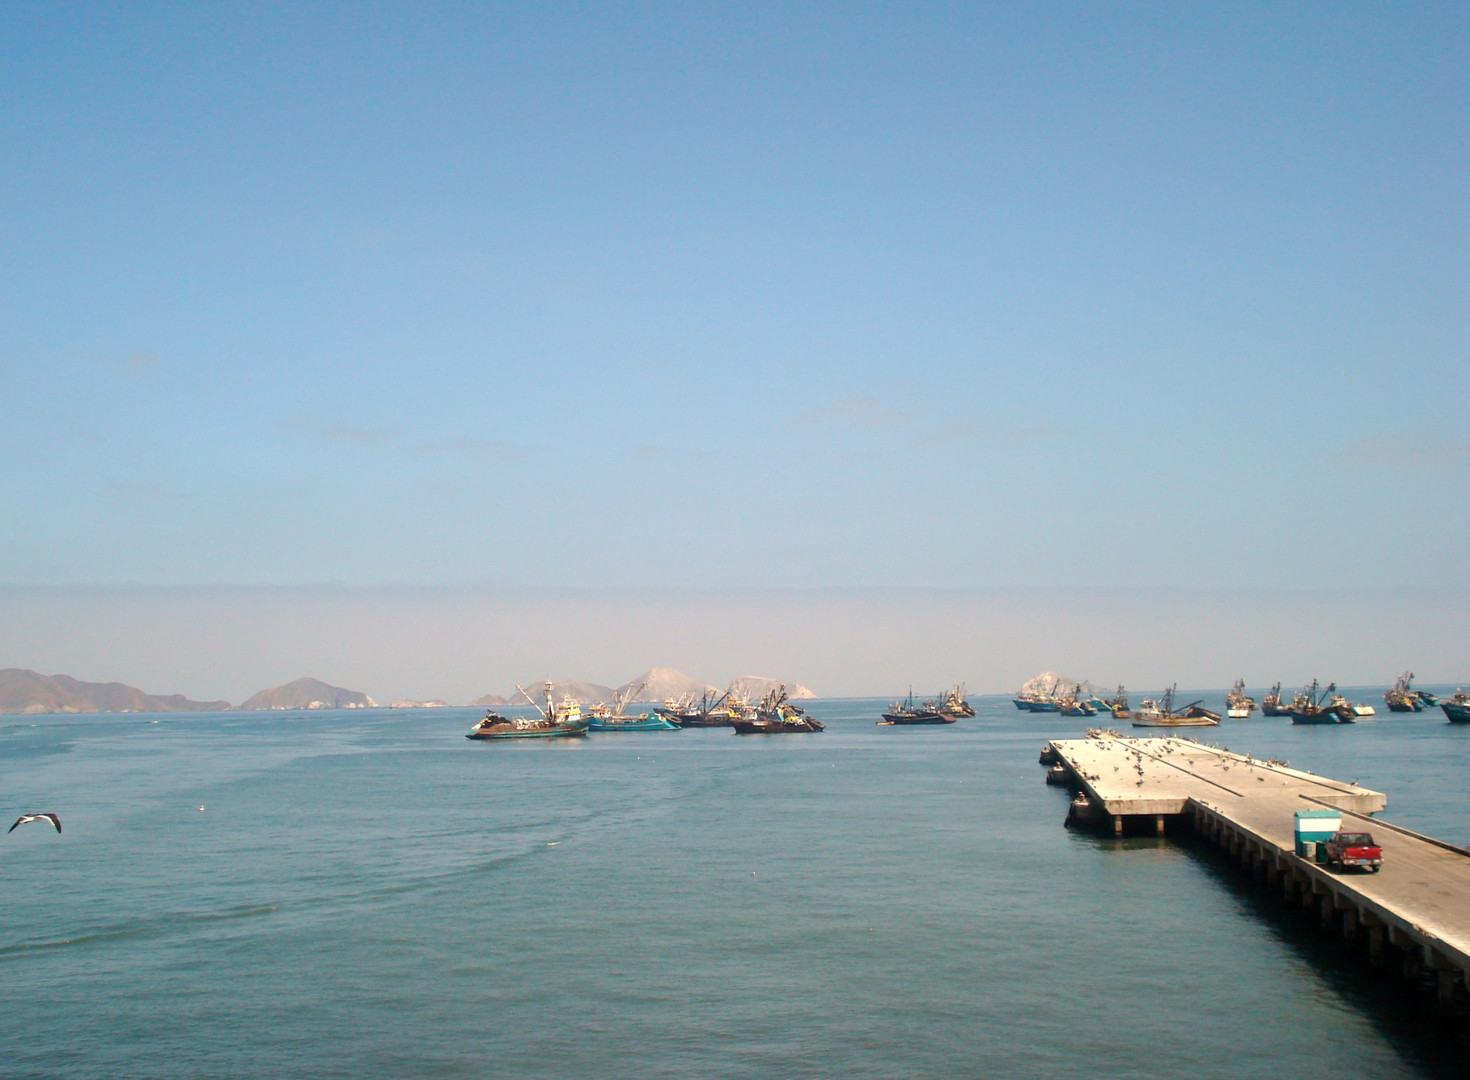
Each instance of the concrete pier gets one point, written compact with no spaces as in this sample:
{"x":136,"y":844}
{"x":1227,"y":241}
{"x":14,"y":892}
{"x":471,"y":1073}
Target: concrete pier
{"x":1416,"y":910}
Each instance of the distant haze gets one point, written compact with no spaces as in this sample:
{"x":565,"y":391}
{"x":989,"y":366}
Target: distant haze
{"x":458,"y":644}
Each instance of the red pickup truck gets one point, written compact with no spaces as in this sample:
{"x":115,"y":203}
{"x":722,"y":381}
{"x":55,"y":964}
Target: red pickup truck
{"x":1344,"y":849}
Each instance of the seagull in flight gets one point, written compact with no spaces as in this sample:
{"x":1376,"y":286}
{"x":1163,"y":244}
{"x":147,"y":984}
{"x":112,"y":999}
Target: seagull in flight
{"x":25,"y":818}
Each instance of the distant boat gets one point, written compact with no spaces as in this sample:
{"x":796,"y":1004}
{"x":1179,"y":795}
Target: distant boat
{"x":953,"y":703}
{"x":1457,"y":707}
{"x":1040,"y":694}
{"x":777,"y":716}
{"x":612,"y":718}
{"x":1237,"y":705}
{"x":1340,"y":705}
{"x":906,"y":712}
{"x":1402,"y":697}
{"x":553,"y":721}
{"x":1161,"y":713}
{"x":1271,"y":703}
{"x":1119,"y":705}
{"x":1318,"y":707}
{"x":705,"y":712}
{"x":1070,"y":704}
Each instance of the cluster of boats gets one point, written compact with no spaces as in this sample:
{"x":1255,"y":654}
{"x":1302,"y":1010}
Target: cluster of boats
{"x":948,"y":707}
{"x":1311,"y":705}
{"x":1050,"y":694}
{"x":773,"y":714}
{"x":1402,"y":697}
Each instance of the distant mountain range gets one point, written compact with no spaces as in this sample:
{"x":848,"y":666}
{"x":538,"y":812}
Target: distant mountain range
{"x":31,"y":693}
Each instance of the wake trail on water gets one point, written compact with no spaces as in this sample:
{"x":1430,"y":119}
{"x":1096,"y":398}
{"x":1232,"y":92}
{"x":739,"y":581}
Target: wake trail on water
{"x":135,"y":930}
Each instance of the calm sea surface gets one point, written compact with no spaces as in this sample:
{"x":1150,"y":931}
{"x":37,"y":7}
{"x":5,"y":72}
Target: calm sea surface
{"x":369,"y":894}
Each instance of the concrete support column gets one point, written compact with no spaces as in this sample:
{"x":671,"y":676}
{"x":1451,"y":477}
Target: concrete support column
{"x":1159,"y":825}
{"x":1377,"y":946}
{"x":1117,"y":824}
{"x":1329,"y":914}
{"x":1444,"y":983}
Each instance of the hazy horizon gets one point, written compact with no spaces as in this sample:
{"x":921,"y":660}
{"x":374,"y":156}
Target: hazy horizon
{"x":458,"y":644}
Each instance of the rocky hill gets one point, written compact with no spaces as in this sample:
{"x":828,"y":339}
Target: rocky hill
{"x":586,"y":692}
{"x":755,"y":687}
{"x":661,"y":683}
{"x":29,"y":692}
{"x":307,"y":693}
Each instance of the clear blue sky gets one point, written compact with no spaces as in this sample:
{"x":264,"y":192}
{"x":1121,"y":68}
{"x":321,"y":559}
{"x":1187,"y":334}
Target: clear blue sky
{"x":732,"y":295}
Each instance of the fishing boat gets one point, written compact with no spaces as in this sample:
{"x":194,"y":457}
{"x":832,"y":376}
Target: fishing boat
{"x":553,"y":721}
{"x":1271,"y":703}
{"x":775,"y":715}
{"x":1319,"y":707}
{"x":907,"y":712}
{"x":1402,"y":697}
{"x":1161,"y":713}
{"x":953,"y":703}
{"x":1457,"y":707}
{"x":1040,"y":694}
{"x":603,"y":717}
{"x":704,"y":712}
{"x":1070,"y":704}
{"x":1357,"y":709}
{"x":1119,"y":705}
{"x":1237,"y":705}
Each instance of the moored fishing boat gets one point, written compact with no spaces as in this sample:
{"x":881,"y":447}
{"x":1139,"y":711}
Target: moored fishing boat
{"x":777,"y":716}
{"x":1271,"y":703}
{"x":1457,"y":707}
{"x":604,"y":717}
{"x":953,"y":703}
{"x":1119,"y":705}
{"x":1238,"y":706}
{"x":1040,"y":694}
{"x":1161,"y":713}
{"x":1319,"y":707}
{"x":1342,"y":706}
{"x":553,"y":721}
{"x":704,"y":712}
{"x":907,"y":712}
{"x":1070,"y":704}
{"x":1402,"y":697}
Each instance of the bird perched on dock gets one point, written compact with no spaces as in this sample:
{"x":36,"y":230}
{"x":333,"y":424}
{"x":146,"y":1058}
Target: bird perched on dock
{"x":25,"y":819}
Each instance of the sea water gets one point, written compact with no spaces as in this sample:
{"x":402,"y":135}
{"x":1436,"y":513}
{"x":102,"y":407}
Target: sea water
{"x":368,"y":894}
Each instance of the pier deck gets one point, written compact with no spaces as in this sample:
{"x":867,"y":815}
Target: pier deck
{"x":1420,"y":901}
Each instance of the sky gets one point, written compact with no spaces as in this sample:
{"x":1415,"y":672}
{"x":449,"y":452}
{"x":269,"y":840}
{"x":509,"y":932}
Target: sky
{"x":827,"y":304}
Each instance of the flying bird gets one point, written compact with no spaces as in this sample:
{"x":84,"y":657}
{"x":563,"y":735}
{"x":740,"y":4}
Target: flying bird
{"x":24,"y":818}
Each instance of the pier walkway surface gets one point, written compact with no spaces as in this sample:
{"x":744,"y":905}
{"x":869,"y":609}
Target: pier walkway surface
{"x":1418,"y":903}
